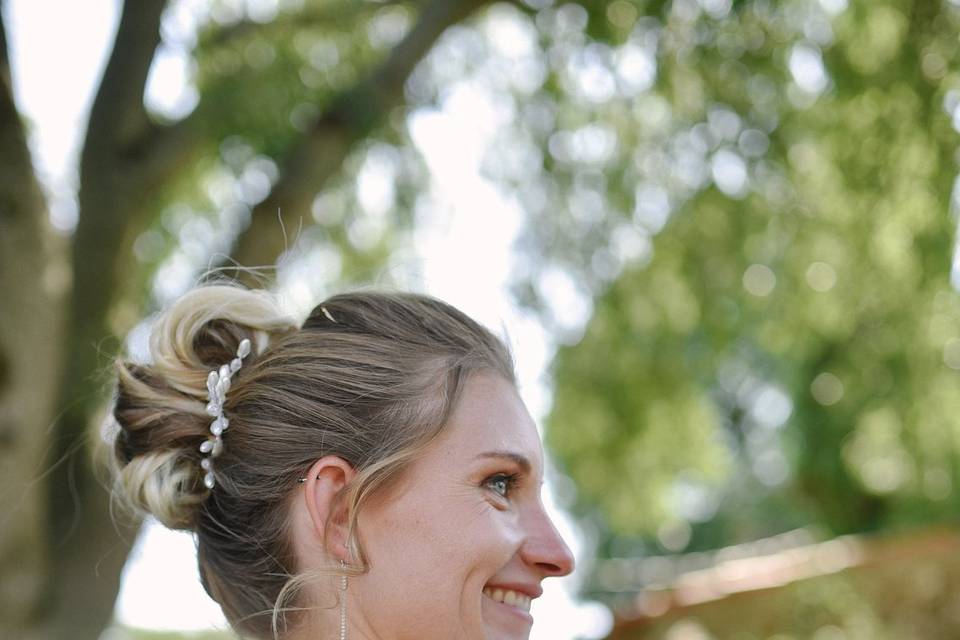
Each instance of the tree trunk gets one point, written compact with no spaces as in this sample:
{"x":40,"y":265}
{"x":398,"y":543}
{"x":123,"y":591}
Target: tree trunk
{"x":34,"y":276}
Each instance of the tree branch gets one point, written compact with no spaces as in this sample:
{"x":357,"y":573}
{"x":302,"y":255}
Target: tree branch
{"x":163,"y":150}
{"x":344,"y":12}
{"x":122,"y":142}
{"x":118,"y":115}
{"x":112,"y":181}
{"x":4,"y":54}
{"x":111,"y":193}
{"x":20,"y":195}
{"x":350,"y":117}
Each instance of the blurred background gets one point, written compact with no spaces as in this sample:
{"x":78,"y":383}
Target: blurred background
{"x":718,"y":234}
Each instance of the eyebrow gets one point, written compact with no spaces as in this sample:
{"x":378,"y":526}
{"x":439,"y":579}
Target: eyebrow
{"x":521,"y":460}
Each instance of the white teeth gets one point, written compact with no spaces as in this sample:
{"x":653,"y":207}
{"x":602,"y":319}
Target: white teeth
{"x":512,"y":598}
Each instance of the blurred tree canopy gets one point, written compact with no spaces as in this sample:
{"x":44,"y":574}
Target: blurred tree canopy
{"x":749,"y":200}
{"x":783,"y":352}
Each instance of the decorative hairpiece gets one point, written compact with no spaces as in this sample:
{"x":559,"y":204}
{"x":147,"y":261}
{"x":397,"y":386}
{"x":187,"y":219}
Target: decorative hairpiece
{"x":218,"y":383}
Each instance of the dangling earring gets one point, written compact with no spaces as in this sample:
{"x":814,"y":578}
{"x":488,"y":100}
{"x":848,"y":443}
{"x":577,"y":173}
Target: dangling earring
{"x":343,"y":601}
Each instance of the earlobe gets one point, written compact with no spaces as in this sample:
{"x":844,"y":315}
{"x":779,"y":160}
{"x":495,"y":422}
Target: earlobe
{"x":323,"y":492}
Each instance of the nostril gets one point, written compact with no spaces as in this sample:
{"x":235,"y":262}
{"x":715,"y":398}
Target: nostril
{"x":554,"y":562}
{"x":552,"y":569}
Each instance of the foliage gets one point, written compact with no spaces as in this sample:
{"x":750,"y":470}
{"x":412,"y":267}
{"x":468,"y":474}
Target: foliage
{"x":782,"y":348}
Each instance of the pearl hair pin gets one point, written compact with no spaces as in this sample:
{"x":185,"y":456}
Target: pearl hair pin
{"x":218,"y":383}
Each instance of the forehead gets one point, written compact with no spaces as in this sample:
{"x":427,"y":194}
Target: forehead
{"x":490,"y":416}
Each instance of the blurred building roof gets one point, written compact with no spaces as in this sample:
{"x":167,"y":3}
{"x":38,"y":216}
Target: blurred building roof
{"x":750,"y":587}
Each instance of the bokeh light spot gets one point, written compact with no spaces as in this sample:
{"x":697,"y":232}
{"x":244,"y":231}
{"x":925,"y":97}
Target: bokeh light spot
{"x":951,"y":353}
{"x":759,"y":280}
{"x":821,"y":276}
{"x":827,"y":389}
{"x":806,"y":67}
{"x":729,"y":173}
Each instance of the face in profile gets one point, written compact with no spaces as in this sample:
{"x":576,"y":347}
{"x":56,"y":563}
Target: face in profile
{"x":459,"y":548}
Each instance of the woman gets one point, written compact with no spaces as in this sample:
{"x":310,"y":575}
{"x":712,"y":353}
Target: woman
{"x":371,"y":474}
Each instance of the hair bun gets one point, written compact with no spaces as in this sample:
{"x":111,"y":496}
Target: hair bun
{"x":160,"y":407}
{"x":204,"y":328}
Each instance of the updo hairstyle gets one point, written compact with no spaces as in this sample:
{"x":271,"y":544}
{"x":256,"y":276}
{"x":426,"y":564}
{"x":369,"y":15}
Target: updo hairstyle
{"x":371,"y":377}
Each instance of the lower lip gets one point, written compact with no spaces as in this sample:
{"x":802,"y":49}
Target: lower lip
{"x":517,"y":612}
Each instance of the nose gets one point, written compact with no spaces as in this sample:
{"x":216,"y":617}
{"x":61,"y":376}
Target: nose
{"x":544,"y":548}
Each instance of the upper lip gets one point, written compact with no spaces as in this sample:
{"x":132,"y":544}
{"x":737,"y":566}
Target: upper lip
{"x":532,"y":590}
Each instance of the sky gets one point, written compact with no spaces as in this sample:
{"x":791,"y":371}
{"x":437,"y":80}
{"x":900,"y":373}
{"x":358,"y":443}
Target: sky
{"x":462,"y":254}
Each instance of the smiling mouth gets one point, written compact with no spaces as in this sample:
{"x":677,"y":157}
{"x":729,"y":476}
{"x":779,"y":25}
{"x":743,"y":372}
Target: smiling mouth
{"x":508,"y":597}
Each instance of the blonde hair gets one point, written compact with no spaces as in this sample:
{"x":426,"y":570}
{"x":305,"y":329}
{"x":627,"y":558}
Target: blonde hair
{"x":371,"y":377}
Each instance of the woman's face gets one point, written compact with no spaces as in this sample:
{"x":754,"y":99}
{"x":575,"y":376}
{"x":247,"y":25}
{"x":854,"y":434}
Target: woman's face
{"x":460,"y":547}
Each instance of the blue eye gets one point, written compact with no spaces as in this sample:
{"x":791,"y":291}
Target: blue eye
{"x":501,"y":483}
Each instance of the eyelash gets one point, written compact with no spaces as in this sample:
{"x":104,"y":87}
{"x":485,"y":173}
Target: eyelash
{"x":511,"y":478}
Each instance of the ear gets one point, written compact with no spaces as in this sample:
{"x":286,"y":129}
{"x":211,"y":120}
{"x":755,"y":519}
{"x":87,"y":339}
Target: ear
{"x":323,"y":492}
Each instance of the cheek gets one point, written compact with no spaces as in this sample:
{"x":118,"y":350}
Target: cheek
{"x":444,"y":542}
{"x":429,"y":562}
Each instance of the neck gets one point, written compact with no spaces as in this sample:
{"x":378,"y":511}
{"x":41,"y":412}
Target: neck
{"x":324,"y":622}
